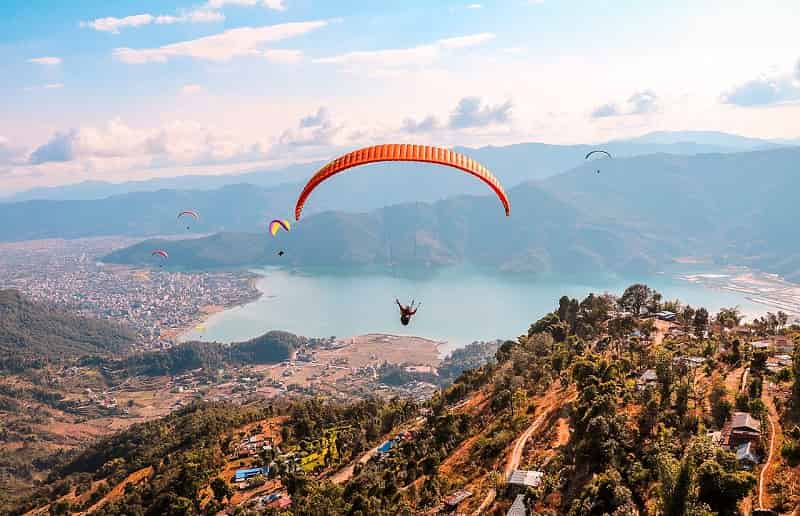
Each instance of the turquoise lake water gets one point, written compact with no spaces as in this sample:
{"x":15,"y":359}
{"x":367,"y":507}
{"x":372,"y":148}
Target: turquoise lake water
{"x":459,"y":305}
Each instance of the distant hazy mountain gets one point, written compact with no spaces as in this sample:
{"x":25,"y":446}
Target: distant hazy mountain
{"x":513,"y":164}
{"x":90,"y":190}
{"x":544,"y":237}
{"x":732,"y":142}
{"x":741,"y":206}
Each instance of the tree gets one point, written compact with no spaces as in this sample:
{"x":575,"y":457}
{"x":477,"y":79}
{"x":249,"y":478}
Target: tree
{"x":783,"y":318}
{"x":720,"y":489}
{"x":729,"y":317}
{"x":720,"y":405}
{"x":665,"y":375}
{"x":221,"y":489}
{"x":619,"y":328}
{"x":636,"y":297}
{"x":700,"y":321}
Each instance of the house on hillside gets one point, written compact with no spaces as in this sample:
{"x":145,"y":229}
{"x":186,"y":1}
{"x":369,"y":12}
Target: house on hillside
{"x":518,"y":507}
{"x":647,"y":378}
{"x":761,"y":345}
{"x":783,"y":344}
{"x":525,"y":478}
{"x":666,"y":315}
{"x":746,"y":456}
{"x":242,"y":475}
{"x":451,"y":502}
{"x":741,"y":428}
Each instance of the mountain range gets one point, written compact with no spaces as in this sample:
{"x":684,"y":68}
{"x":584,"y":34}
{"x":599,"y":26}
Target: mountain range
{"x":512,"y":164}
{"x":625,"y":215}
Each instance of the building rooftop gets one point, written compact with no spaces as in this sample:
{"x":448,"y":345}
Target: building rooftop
{"x":522,"y":477}
{"x":457,"y":497}
{"x":518,"y":507}
{"x":744,"y":421}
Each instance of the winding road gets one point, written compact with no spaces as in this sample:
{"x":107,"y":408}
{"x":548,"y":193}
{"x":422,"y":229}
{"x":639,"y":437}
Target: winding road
{"x":516,"y":453}
{"x":772,"y":415}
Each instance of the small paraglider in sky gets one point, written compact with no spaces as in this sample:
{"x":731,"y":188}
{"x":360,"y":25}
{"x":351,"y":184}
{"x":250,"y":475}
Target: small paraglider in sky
{"x":278,"y":224}
{"x":162,"y":254}
{"x":191,"y":213}
{"x":281,"y":253}
{"x":598,"y":154}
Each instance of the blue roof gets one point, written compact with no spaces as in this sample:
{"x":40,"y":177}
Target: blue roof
{"x":385,"y":447}
{"x":242,"y":474}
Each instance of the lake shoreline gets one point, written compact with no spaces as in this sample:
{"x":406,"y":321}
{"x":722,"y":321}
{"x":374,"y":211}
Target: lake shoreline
{"x":460,"y":304}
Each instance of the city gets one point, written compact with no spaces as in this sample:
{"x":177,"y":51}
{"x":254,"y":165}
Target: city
{"x":157,"y":304}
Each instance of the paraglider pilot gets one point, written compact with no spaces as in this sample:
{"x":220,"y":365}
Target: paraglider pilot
{"x":406,"y":311}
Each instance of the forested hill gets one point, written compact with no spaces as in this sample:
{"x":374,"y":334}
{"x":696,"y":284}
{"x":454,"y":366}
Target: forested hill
{"x":543,"y":236}
{"x":736,"y":207}
{"x":34,"y":333}
{"x":616,"y":413}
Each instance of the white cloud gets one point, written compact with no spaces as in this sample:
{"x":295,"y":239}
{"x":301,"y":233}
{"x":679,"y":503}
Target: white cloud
{"x":220,"y":47}
{"x":406,"y":56}
{"x":474,"y":6}
{"x":426,"y":125}
{"x":643,"y":102}
{"x":280,"y":55}
{"x":466,"y":41}
{"x":197,"y":16}
{"x":276,"y":5}
{"x":315,"y":130}
{"x":316,"y":119}
{"x":175,"y":143}
{"x":470,"y":112}
{"x":48,"y":86}
{"x":113,"y":25}
{"x":189,"y":89}
{"x":606,"y":110}
{"x":45,"y":60}
{"x":640,"y":103}
{"x":764,"y":91}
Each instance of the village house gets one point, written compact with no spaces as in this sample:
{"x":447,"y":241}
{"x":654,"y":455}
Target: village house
{"x":452,"y":501}
{"x":746,"y":456}
{"x":761,"y":345}
{"x":525,"y":478}
{"x":647,"y":378}
{"x":741,"y":428}
{"x":518,"y":507}
{"x":783,"y":344}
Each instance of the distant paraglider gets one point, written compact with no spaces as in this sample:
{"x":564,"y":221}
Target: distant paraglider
{"x":278,"y":224}
{"x":281,"y":253}
{"x":161,"y":253}
{"x":402,"y":152}
{"x":191,"y":213}
{"x":601,"y":154}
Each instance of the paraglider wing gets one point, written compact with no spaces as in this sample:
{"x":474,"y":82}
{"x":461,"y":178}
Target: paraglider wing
{"x":278,"y":224}
{"x":597,"y":152}
{"x":160,"y":252}
{"x":191,"y":213}
{"x":402,"y":152}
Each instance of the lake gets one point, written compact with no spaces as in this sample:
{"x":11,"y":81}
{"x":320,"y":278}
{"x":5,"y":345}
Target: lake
{"x":459,"y":305}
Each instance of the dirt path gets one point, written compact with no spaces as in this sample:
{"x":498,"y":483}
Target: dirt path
{"x":119,"y":489}
{"x":774,"y":442}
{"x":346,"y":473}
{"x":519,"y":446}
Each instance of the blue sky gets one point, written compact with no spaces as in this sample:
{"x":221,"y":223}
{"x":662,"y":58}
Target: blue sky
{"x":136,"y":89}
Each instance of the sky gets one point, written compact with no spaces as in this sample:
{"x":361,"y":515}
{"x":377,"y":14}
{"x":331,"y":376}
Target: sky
{"x":128,"y":90}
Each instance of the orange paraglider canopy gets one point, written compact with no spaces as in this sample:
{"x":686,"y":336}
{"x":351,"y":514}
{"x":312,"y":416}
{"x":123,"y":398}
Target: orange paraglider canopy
{"x":402,"y":152}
